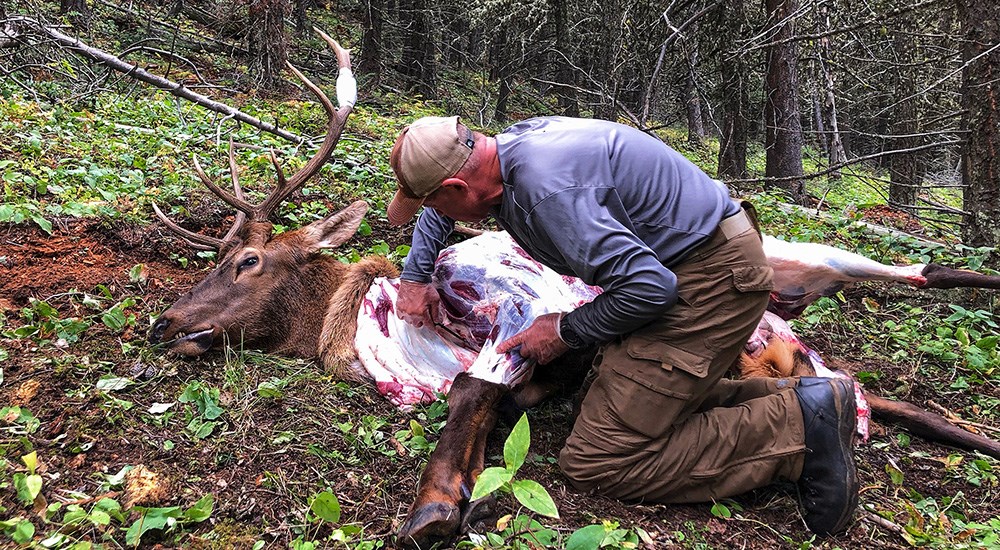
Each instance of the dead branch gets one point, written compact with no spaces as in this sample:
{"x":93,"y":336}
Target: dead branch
{"x":26,"y":25}
{"x":950,"y":416}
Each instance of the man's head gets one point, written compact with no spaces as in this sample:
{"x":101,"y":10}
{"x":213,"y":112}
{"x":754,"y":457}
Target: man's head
{"x":426,"y":153}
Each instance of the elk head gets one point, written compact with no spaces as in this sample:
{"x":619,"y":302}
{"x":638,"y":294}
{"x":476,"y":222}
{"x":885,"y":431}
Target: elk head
{"x":268,"y":292}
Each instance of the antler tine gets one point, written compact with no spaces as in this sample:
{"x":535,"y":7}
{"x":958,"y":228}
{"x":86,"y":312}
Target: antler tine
{"x":277,"y":168}
{"x":236,"y":202}
{"x":196,"y":240}
{"x":335,"y":127}
{"x":241,"y":216}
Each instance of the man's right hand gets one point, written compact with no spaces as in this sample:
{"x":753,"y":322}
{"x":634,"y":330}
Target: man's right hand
{"x":418,"y":303}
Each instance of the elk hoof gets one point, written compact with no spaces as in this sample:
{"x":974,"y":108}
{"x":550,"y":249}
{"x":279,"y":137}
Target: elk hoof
{"x":430,"y":523}
{"x":480,"y":514}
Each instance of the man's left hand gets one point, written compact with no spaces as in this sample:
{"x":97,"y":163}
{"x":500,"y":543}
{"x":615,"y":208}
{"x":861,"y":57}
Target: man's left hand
{"x":540,"y":341}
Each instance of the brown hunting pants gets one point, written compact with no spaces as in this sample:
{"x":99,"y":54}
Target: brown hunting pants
{"x":660,"y":423}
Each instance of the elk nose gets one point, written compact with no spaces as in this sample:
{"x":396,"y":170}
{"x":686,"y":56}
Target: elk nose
{"x":156,"y":333}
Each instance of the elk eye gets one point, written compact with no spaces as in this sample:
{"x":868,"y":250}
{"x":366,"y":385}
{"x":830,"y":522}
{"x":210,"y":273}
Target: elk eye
{"x":248,"y":262}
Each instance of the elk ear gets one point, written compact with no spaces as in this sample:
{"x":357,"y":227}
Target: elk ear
{"x":335,"y":229}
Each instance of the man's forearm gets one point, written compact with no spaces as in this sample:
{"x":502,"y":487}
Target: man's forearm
{"x":429,"y":235}
{"x":621,"y":310}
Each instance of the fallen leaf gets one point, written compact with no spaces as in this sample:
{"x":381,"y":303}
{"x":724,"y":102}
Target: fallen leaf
{"x":25,"y":392}
{"x":144,"y":487}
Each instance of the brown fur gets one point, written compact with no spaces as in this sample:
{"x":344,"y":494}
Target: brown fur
{"x":780,"y":359}
{"x":336,"y":342}
{"x":274,"y":305}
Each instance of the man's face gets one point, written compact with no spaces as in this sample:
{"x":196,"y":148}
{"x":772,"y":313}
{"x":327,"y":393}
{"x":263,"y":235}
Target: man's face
{"x":458,"y":203}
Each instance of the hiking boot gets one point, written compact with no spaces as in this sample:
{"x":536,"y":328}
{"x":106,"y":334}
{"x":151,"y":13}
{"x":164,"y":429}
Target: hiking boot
{"x":828,"y":486}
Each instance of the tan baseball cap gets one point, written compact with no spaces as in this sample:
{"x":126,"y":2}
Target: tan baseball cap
{"x":426,"y":153}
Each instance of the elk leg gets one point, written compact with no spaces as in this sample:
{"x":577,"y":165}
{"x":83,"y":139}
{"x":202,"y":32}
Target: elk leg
{"x":459,"y":457}
{"x":485,"y":507}
{"x":930,"y":426}
{"x":945,"y":277}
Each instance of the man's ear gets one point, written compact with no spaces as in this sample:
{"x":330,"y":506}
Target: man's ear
{"x":454,"y":183}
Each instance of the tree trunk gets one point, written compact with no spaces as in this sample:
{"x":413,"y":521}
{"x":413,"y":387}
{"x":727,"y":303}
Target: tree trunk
{"x":783,"y":129}
{"x":604,"y":66}
{"x":417,"y":63}
{"x":302,"y":16}
{"x":735,"y":99}
{"x":565,"y":94}
{"x":266,"y":41}
{"x":981,"y":101}
{"x":500,"y":71}
{"x":904,"y":168}
{"x":692,"y":100}
{"x":832,"y":144}
{"x":77,"y":11}
{"x":370,"y":61}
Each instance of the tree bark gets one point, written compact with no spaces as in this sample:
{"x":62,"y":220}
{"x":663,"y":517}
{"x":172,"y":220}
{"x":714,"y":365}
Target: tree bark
{"x":266,"y":41}
{"x":417,"y":63}
{"x":569,"y":105}
{"x":370,"y":62}
{"x":783,"y":129}
{"x":904,"y":168}
{"x":735,"y":99}
{"x":692,"y":100}
{"x":981,"y":120}
{"x":832,"y":144}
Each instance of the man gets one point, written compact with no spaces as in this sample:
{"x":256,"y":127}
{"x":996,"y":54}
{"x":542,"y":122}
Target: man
{"x":685,"y":282}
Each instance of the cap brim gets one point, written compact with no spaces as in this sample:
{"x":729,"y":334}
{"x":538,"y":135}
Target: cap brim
{"x":402,"y":208}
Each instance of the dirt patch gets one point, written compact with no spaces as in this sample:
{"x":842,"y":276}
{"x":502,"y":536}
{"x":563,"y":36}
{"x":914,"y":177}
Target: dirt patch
{"x":271,"y":450}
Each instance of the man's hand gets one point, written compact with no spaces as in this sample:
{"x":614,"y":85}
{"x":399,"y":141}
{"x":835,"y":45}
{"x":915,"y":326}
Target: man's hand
{"x":540,"y":341}
{"x":418,"y":303}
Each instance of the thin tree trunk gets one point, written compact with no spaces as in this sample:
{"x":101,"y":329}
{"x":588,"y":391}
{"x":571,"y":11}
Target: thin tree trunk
{"x":266,"y":42}
{"x":904,"y":171}
{"x":417,"y":62}
{"x":370,"y":61}
{"x":783,"y":129}
{"x":981,"y":101}
{"x":833,"y":146}
{"x":735,"y":99}
{"x":565,"y":94}
{"x":692,"y":100}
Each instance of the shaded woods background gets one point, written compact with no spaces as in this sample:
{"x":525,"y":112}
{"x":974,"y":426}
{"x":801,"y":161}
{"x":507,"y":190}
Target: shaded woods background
{"x":909,"y":88}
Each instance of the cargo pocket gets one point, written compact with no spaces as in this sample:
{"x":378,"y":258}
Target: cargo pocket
{"x":753,"y":278}
{"x":653,"y":384}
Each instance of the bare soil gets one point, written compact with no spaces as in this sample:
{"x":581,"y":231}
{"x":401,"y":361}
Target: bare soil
{"x":270,"y":454}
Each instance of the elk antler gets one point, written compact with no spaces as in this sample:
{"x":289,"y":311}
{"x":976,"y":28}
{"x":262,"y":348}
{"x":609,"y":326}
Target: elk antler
{"x":346,"y":97}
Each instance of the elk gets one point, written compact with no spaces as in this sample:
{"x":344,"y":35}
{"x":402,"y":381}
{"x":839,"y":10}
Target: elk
{"x":264,"y":282}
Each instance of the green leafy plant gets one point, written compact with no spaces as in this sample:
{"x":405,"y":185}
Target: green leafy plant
{"x":42,"y":322}
{"x":201,"y":420}
{"x":324,"y":508}
{"x":607,"y":534}
{"x":528,"y":492}
{"x":167,"y":518}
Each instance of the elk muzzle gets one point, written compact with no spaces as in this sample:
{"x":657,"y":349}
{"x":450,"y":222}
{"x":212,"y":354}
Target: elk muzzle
{"x":190,"y":343}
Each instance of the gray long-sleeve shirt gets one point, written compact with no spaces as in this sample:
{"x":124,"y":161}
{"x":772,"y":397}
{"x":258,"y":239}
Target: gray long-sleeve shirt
{"x":600,"y":201}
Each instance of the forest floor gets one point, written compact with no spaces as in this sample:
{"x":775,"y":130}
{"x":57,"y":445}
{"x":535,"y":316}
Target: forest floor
{"x":270,"y":450}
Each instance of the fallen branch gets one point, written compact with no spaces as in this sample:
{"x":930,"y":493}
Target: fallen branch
{"x":950,"y":416}
{"x":26,"y":25}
